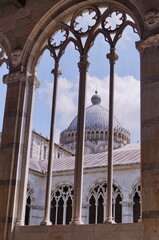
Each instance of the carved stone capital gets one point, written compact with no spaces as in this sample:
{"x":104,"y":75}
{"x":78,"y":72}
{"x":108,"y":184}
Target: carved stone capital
{"x":149,"y":42}
{"x":56,"y":72}
{"x":127,"y":203}
{"x":152,"y":19}
{"x":21,"y":77}
{"x":112,"y":56}
{"x":83,"y":63}
{"x":14,"y":77}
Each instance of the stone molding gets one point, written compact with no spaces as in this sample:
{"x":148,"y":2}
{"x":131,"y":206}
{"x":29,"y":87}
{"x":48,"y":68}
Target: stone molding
{"x":14,"y":77}
{"x":37,"y":207}
{"x":127,"y":203}
{"x":21,"y":77}
{"x":151,"y":41}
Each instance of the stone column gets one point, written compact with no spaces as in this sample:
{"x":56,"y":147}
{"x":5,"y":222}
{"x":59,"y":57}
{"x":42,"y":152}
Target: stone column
{"x":127,"y":211}
{"x":14,"y":134}
{"x":112,"y":58}
{"x":32,"y":83}
{"x":78,"y":173}
{"x":149,"y":51}
{"x":46,"y":220}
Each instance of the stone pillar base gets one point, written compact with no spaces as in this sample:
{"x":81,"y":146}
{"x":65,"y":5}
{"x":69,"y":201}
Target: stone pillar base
{"x":109,"y":221}
{"x":46,"y":222}
{"x":76,"y":222}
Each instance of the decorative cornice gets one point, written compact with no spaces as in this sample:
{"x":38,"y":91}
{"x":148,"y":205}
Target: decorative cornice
{"x":149,"y":42}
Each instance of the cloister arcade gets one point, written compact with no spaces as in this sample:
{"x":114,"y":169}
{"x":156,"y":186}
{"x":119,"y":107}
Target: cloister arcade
{"x":27,"y":28}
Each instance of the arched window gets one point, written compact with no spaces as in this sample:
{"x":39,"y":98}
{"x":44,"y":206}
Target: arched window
{"x":97,"y":203}
{"x":101,"y":135}
{"x":136,"y":201}
{"x":117,"y":208}
{"x":28,"y":207}
{"x":97,"y":135}
{"x":106,"y":135}
{"x":88,"y":135}
{"x":92,"y":134}
{"x":61,"y":205}
{"x":108,"y":22}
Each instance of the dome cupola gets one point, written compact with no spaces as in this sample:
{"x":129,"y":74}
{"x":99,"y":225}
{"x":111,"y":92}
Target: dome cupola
{"x":96,"y":117}
{"x":96,"y":129}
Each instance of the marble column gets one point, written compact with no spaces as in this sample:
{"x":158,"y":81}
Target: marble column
{"x":13,"y":145}
{"x":32,"y":83}
{"x":112,"y":56}
{"x":127,"y":211}
{"x":46,"y":220}
{"x":149,"y":52}
{"x":79,"y":158}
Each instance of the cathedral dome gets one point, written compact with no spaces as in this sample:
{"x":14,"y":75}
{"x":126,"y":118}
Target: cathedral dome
{"x":96,"y":130}
{"x":96,"y":117}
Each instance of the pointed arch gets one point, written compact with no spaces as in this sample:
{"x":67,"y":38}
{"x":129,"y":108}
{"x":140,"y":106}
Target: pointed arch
{"x":29,"y":202}
{"x":61,"y":204}
{"x":97,"y":202}
{"x":48,"y":24}
{"x":136,"y":196}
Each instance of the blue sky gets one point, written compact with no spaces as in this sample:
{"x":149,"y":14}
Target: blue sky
{"x":127,"y":88}
{"x":127,"y":85}
{"x":3,"y":87}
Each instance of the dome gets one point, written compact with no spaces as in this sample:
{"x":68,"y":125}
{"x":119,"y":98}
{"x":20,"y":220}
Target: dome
{"x":96,"y":130}
{"x":96,"y":117}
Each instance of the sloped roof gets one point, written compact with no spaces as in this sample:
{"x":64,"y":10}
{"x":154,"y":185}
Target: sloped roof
{"x":130,"y":154}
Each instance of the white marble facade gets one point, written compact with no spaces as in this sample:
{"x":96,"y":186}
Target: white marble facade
{"x":126,"y":177}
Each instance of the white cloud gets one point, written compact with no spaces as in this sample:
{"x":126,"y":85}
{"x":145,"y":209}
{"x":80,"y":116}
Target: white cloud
{"x":57,"y":134}
{"x":127,"y":100}
{"x":128,"y":37}
{"x":66,"y":100}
